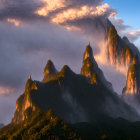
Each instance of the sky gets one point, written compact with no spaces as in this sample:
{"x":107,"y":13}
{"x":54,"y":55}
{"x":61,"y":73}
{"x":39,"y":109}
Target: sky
{"x":34,"y":31}
{"x":129,"y":11}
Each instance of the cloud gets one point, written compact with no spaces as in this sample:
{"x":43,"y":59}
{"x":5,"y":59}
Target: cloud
{"x":125,"y":30}
{"x":133,"y":35}
{"x":6,"y":90}
{"x":119,"y":24}
{"x":50,"y":9}
{"x":14,"y":21}
{"x":83,"y":12}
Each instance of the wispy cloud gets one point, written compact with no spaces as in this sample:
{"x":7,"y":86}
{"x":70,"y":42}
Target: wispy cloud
{"x":133,"y":35}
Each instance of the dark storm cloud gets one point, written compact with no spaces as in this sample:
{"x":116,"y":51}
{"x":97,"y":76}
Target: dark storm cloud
{"x":21,"y":9}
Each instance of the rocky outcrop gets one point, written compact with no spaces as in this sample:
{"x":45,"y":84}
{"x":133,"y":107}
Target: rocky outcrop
{"x":133,"y":78}
{"x":49,"y":71}
{"x":24,"y":104}
{"x":91,"y":70}
{"x":131,"y":92}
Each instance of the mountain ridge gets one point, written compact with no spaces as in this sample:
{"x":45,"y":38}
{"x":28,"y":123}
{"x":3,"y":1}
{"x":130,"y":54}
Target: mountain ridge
{"x":73,"y":97}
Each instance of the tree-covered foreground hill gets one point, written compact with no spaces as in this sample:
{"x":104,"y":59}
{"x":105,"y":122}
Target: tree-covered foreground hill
{"x":46,"y":126}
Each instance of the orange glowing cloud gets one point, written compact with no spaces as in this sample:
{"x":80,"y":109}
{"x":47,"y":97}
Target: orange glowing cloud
{"x":14,"y":21}
{"x":6,"y":90}
{"x":49,"y":6}
{"x":135,"y":33}
{"x":83,"y":11}
{"x":70,"y":28}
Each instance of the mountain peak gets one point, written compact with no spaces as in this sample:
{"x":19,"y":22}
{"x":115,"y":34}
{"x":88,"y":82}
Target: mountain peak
{"x":88,"y":53}
{"x":89,"y":63}
{"x":50,"y":68}
{"x":126,"y":39}
{"x":29,"y":78}
{"x":112,"y":32}
{"x":91,"y":70}
{"x":49,"y":71}
{"x":89,"y":43}
{"x":66,"y":70}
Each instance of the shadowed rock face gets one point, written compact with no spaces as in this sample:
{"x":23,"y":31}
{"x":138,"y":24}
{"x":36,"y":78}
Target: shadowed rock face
{"x":73,"y":97}
{"x":49,"y":71}
{"x":119,"y":50}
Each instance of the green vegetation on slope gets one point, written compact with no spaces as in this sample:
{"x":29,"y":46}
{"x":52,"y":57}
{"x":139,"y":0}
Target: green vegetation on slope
{"x":39,"y":126}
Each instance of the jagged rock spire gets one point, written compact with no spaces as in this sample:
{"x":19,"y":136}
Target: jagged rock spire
{"x":30,"y":78}
{"x":91,"y":70}
{"x":88,"y":53}
{"x":89,"y":63}
{"x":50,"y":68}
{"x":49,"y":71}
{"x":89,"y":43}
{"x":133,"y":78}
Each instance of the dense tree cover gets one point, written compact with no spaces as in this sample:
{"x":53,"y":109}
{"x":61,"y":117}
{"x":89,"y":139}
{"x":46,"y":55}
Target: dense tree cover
{"x":46,"y":126}
{"x":106,"y":128}
{"x":40,"y":126}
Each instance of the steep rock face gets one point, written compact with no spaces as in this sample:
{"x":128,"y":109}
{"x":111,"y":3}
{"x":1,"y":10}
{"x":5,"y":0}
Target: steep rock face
{"x":133,"y":78}
{"x":91,"y":70}
{"x":24,"y":104}
{"x":119,"y":50}
{"x":131,"y":92}
{"x":49,"y":71}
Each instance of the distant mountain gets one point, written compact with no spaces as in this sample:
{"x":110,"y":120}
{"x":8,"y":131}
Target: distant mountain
{"x":120,"y":51}
{"x":123,"y":54}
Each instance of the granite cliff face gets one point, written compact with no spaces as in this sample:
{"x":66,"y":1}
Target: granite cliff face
{"x":133,"y":78}
{"x":24,"y":104}
{"x":120,"y":51}
{"x":131,"y":92}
